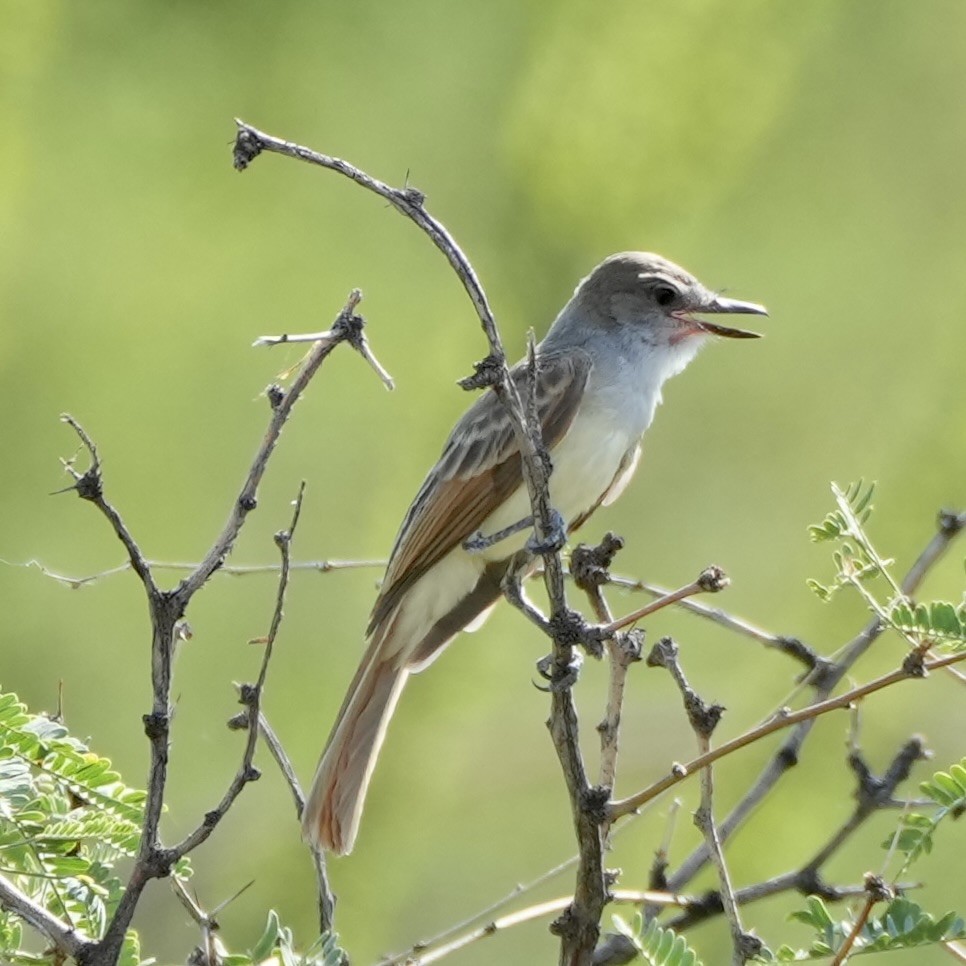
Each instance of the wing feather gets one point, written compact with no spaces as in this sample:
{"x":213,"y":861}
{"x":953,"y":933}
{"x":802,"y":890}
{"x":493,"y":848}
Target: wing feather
{"x":480,"y":467}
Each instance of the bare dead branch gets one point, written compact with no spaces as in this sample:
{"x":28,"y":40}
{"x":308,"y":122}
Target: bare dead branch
{"x":578,"y":928}
{"x":283,"y":403}
{"x":167,"y":610}
{"x":251,"y":698}
{"x":65,"y":939}
{"x":231,"y":570}
{"x":703,"y":719}
{"x":823,"y":677}
{"x":678,"y":773}
{"x":89,"y":486}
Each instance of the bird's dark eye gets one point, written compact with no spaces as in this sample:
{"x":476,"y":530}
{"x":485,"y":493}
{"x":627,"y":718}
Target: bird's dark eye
{"x":664,"y":294}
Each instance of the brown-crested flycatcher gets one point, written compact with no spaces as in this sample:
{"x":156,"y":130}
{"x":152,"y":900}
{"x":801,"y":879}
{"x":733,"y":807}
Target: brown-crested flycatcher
{"x":631,"y":324}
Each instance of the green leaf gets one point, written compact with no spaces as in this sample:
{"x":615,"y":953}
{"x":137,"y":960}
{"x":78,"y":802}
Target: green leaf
{"x":266,"y":943}
{"x":130,"y":950}
{"x":820,"y":590}
{"x":902,"y":925}
{"x":67,"y":819}
{"x":949,"y":784}
{"x":657,"y":946}
{"x":938,"y":620}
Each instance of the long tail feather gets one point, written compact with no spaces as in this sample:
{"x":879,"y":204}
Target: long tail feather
{"x":334,"y":805}
{"x":400,"y":645}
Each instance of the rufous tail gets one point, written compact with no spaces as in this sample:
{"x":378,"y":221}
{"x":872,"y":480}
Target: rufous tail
{"x":334,"y":805}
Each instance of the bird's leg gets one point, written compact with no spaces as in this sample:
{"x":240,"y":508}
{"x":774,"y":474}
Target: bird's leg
{"x":478,"y":541}
{"x":556,"y":538}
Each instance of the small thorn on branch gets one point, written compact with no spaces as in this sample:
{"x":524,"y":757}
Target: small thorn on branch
{"x":713,"y":579}
{"x":348,"y":327}
{"x":275,"y":395}
{"x":589,"y":566}
{"x":247,"y":147}
{"x":487,"y":372}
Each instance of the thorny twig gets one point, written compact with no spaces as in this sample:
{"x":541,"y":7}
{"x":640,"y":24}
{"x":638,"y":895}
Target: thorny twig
{"x":679,"y":772}
{"x":578,"y":927}
{"x":167,"y":609}
{"x":703,"y":719}
{"x":250,"y":695}
{"x":823,"y":677}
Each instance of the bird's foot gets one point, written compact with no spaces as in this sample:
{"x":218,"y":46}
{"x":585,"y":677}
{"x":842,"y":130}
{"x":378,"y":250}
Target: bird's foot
{"x":555,"y":538}
{"x":559,"y":677}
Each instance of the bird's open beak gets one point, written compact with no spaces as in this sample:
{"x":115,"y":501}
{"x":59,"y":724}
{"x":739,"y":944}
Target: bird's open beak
{"x":723,"y":306}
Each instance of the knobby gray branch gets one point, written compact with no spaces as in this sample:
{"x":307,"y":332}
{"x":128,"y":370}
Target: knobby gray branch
{"x":250,"y":695}
{"x":578,"y":927}
{"x":823,"y":676}
{"x":167,"y":610}
{"x":678,"y":773}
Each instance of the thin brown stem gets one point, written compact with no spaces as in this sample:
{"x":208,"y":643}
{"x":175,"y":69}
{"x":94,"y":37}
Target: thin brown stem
{"x":711,"y":580}
{"x":542,"y":910}
{"x":678,"y":773}
{"x":876,"y":891}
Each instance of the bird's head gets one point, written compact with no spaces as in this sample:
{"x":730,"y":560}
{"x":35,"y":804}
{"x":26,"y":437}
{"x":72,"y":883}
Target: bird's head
{"x":658,"y":301}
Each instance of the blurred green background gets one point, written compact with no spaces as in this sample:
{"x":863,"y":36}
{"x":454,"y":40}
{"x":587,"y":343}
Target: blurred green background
{"x":807,"y":156}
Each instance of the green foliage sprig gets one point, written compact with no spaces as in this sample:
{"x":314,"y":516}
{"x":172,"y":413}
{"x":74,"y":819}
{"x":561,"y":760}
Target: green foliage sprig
{"x":277,"y":947}
{"x":66,"y":820}
{"x":915,"y":835}
{"x":903,"y":925}
{"x":856,"y":560}
{"x":938,"y":623}
{"x":657,"y":946}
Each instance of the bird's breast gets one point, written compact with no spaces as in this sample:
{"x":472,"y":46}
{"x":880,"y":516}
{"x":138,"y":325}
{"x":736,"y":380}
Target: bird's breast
{"x":585,"y":463}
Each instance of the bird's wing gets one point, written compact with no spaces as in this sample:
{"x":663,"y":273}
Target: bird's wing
{"x":480,"y":467}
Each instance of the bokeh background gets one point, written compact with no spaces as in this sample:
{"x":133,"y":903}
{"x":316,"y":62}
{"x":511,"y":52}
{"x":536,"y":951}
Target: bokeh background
{"x":809,"y":156}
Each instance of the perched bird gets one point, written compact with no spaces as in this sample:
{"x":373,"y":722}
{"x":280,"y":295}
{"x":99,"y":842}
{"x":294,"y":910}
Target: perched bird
{"x":631,"y":324}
